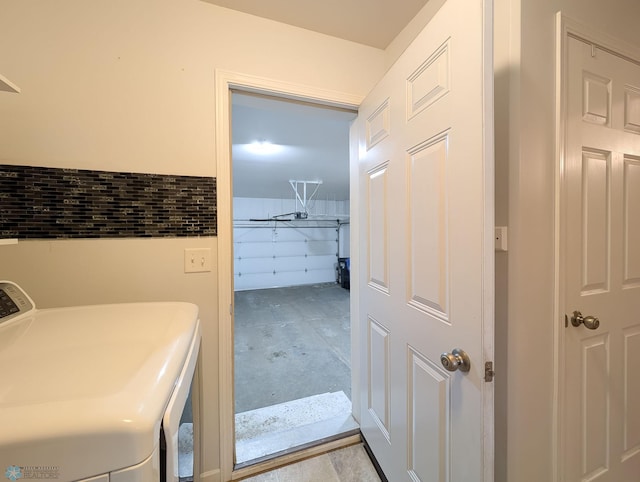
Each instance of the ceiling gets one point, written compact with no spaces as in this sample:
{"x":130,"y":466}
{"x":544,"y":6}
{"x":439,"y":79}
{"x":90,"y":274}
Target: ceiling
{"x":313,"y":140}
{"x":311,"y":143}
{"x":369,"y":22}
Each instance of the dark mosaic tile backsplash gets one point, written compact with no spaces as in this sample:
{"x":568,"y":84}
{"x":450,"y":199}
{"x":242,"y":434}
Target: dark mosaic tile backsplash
{"x":46,"y":203}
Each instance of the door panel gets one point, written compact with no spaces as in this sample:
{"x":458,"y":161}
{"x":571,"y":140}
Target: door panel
{"x":378,"y":376}
{"x":429,"y":82}
{"x":631,"y":228}
{"x":378,"y":235}
{"x":422,"y":137}
{"x":595,"y":221}
{"x":429,"y":389}
{"x":595,"y":404}
{"x":631,"y":390}
{"x":601,"y":203}
{"x":428,"y":267}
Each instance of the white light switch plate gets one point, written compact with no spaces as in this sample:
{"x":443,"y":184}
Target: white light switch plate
{"x":197,"y":260}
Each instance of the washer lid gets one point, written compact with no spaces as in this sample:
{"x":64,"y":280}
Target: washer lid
{"x":83,"y":389}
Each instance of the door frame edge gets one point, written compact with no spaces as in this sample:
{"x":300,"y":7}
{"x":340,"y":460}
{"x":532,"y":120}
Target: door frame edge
{"x":488,"y":302}
{"x":225,"y":81}
{"x":557,"y":442}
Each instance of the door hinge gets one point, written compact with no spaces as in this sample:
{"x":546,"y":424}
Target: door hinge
{"x":488,"y":371}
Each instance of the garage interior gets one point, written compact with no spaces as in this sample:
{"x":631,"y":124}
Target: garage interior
{"x":292,"y":340}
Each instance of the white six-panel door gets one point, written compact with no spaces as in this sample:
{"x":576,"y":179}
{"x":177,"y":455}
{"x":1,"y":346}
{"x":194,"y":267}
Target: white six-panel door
{"x":601,"y":249}
{"x":424,"y":136}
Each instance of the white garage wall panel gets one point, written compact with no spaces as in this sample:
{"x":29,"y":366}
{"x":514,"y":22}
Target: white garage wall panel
{"x":270,"y":254}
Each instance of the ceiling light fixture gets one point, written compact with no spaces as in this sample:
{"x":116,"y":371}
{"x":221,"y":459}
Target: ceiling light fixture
{"x":263,"y":148}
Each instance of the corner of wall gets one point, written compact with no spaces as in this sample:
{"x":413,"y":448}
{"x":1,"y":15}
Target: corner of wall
{"x":411,"y":31}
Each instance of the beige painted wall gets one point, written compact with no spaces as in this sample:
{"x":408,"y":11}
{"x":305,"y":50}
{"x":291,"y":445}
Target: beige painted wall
{"x":128,"y":85}
{"x":505,"y":19}
{"x":525,"y":129}
{"x":411,"y":31}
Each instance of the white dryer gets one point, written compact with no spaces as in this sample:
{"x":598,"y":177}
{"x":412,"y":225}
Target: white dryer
{"x":93,"y":392}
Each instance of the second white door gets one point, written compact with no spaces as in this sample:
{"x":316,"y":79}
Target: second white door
{"x":601,"y":213}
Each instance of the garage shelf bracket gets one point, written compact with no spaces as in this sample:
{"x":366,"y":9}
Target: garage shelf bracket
{"x":300,"y":188}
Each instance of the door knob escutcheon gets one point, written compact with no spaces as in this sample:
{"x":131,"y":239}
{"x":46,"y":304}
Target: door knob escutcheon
{"x":590,"y":322}
{"x":456,"y":360}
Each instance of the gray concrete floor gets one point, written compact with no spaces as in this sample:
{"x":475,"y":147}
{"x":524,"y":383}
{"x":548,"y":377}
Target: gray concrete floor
{"x":291,"y":343}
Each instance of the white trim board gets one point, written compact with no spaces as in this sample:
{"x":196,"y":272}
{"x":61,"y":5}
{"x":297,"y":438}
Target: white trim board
{"x":225,"y":82}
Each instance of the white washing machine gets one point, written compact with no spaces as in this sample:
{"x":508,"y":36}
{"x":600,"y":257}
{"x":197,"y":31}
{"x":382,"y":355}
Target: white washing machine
{"x":94,"y":393}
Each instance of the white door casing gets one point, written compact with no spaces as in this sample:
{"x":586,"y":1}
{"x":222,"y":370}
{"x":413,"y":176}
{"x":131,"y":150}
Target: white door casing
{"x":599,"y":252}
{"x":425,"y":252}
{"x":225,"y":81}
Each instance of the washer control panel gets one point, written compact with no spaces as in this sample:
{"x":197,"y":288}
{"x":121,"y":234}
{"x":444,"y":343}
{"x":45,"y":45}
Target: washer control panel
{"x":14,"y":301}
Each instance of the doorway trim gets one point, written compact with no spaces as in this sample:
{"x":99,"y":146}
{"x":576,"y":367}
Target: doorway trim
{"x":225,"y":82}
{"x":567,"y":27}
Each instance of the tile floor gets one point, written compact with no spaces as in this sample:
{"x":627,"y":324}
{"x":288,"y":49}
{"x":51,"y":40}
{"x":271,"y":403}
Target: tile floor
{"x":350,"y":464}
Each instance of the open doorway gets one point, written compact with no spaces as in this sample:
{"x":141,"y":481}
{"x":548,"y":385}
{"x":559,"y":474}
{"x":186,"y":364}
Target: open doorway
{"x":292,"y":370}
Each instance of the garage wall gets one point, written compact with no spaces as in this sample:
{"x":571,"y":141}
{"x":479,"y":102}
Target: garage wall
{"x":270,"y":254}
{"x":127,"y":86}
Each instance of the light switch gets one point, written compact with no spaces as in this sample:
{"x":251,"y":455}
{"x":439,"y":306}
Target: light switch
{"x":197,"y":260}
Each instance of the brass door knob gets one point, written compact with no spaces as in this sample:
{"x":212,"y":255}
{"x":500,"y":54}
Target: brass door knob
{"x":590,"y":322}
